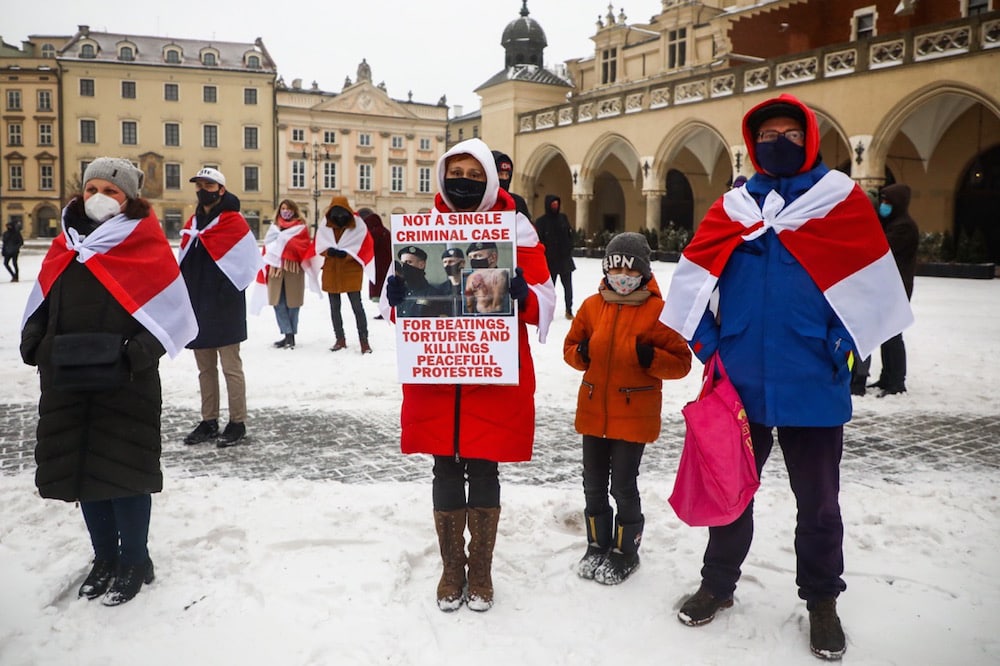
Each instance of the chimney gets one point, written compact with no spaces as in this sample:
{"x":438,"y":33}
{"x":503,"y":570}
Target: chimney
{"x":456,"y":110}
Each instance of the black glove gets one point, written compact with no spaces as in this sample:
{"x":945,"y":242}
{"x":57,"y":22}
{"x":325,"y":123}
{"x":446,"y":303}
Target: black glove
{"x":395,"y":290}
{"x":583,"y":349}
{"x":334,"y":252}
{"x":644,"y":353}
{"x":518,"y":286}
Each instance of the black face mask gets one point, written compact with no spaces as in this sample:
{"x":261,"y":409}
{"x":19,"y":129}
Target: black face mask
{"x":453,"y":270}
{"x":464,"y":193}
{"x":208,"y":199}
{"x":410,"y":274}
{"x":781,"y":158}
{"x":505,"y":185}
{"x":479,"y":263}
{"x":340,"y":217}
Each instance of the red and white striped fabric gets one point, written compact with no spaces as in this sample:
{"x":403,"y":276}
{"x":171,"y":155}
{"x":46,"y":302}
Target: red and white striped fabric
{"x":134,"y":262}
{"x":831,"y":230}
{"x":355,"y":241}
{"x":230,"y":243}
{"x":281,"y":245}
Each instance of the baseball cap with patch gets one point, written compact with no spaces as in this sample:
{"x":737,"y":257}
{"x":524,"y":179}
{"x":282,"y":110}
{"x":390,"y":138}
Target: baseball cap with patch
{"x":452,"y":252}
{"x":481,"y":245}
{"x":208,"y":173}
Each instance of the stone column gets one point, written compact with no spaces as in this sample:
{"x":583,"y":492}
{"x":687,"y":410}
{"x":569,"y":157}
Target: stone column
{"x":582,"y":201}
{"x":653,"y":200}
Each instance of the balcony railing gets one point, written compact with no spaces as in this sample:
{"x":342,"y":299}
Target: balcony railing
{"x":946,"y":40}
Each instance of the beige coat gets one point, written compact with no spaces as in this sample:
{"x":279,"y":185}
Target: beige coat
{"x":294,"y":282}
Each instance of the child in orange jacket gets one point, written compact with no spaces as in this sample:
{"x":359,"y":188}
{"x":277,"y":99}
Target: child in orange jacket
{"x":625,"y":353}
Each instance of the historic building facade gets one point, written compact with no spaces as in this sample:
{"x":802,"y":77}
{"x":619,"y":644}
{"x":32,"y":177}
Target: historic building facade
{"x":377,"y":151}
{"x":171,"y":106}
{"x":649,"y":133}
{"x":29,"y":158}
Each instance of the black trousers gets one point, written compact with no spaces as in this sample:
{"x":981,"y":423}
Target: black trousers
{"x":359,"y":314}
{"x":893,"y":374}
{"x":7,"y":261}
{"x":450,"y":477}
{"x":567,"y":282}
{"x":119,"y":528}
{"x":812,"y":458}
{"x":617,"y":460}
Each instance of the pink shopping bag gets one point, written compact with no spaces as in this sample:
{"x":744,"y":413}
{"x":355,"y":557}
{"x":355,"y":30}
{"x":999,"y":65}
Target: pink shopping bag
{"x":717,"y":475}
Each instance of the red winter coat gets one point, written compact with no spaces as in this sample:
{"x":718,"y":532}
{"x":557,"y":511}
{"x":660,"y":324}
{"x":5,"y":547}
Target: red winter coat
{"x":485,"y":421}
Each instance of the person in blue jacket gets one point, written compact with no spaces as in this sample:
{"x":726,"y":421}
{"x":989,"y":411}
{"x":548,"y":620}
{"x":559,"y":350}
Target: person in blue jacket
{"x":783,"y":329}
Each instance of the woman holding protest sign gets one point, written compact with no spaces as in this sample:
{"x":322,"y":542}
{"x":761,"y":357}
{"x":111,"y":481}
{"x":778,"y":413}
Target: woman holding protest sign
{"x":469,"y":428}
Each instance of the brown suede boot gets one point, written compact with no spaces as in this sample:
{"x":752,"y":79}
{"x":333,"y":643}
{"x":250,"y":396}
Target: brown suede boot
{"x":341,"y":343}
{"x":365,"y":347}
{"x":482,"y":539}
{"x":451,"y":539}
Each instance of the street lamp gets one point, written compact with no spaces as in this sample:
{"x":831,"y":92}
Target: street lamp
{"x":316,"y":158}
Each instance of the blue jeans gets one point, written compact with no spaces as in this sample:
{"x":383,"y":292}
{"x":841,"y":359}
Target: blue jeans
{"x":288,"y":318}
{"x":119,"y":528}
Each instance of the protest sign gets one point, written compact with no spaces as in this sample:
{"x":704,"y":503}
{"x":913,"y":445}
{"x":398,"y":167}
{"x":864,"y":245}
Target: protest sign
{"x":457,"y":323}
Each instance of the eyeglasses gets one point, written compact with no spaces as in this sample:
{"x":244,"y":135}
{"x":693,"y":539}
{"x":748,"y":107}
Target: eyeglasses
{"x":793,"y":135}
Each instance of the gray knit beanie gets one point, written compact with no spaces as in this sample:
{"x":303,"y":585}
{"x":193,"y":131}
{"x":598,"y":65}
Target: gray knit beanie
{"x":629,"y":250}
{"x":119,"y":171}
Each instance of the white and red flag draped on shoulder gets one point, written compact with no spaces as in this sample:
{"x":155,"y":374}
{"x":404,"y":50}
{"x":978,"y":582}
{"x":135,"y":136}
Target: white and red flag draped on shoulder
{"x":831,"y":230}
{"x":134,"y":262}
{"x":230,"y":243}
{"x":355,"y":241}
{"x":291,"y":244}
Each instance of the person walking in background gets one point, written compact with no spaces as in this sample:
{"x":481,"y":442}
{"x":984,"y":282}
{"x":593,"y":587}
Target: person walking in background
{"x":789,"y":278}
{"x":108,"y":291}
{"x":459,"y":424}
{"x":505,"y":172}
{"x":12,"y":242}
{"x":903,"y":237}
{"x":382,"y":244}
{"x":556,"y":234}
{"x":348,"y":255}
{"x":219,"y":259}
{"x":625,"y":353}
{"x":287,"y":253}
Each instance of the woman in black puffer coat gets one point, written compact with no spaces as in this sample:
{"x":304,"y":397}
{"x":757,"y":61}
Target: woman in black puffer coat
{"x":102,"y":448}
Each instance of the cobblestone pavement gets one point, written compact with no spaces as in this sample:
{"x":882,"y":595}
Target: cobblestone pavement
{"x":355,"y":448}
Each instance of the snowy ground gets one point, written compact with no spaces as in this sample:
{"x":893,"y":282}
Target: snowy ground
{"x":308,"y":572}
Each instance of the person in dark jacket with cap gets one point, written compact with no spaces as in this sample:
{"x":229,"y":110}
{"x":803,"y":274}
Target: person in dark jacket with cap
{"x":421,"y":298}
{"x":904,"y":237}
{"x":453,"y":261}
{"x":219,"y":258}
{"x":556,"y":234}
{"x":505,"y":172}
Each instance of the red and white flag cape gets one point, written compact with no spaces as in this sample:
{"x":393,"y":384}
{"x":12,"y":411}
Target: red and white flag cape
{"x":355,"y":241}
{"x":831,"y":230}
{"x":230,"y":243}
{"x":134,"y":262}
{"x":280,"y":245}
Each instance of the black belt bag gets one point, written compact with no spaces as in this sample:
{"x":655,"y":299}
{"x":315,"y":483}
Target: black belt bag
{"x":88,"y":362}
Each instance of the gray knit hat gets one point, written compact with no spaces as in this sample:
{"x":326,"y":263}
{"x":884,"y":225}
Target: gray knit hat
{"x":119,"y":171}
{"x":628,"y":250}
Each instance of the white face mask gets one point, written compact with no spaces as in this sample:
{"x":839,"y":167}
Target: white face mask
{"x":101,"y":207}
{"x":624,"y":284}
{"x":286,"y":214}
